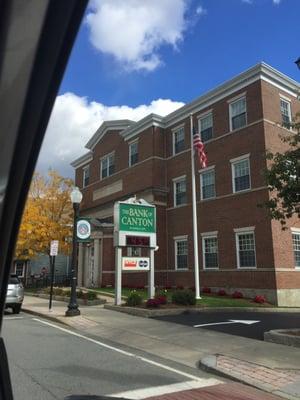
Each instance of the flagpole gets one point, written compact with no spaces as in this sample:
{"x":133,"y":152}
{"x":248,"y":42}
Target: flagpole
{"x":194,"y":207}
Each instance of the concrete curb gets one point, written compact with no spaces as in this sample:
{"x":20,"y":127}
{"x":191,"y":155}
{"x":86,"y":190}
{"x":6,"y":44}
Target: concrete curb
{"x":209,"y":364}
{"x":282,"y":336}
{"x":43,"y":315}
{"x":152,"y":313}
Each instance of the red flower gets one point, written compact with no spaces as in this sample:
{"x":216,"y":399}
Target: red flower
{"x":259,"y":299}
{"x":222,"y":292}
{"x":237,"y":295}
{"x":152,"y":303}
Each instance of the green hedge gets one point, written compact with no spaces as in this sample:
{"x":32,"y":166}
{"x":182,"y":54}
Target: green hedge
{"x":184,"y":297}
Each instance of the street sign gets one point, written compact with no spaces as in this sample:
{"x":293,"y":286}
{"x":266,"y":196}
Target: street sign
{"x":83,"y":230}
{"x":135,"y":264}
{"x":137,"y":218}
{"x":54,"y":248}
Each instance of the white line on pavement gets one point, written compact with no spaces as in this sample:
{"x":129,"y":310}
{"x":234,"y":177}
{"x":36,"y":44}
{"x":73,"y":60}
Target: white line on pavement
{"x":8,"y":318}
{"x":165,"y":389}
{"x":231,"y":321}
{"x":126,"y":353}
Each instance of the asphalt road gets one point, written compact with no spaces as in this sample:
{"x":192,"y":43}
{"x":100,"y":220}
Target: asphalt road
{"x":49,"y":361}
{"x":224,"y":322}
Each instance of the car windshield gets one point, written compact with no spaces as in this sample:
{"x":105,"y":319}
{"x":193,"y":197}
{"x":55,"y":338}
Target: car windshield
{"x":159,"y":250}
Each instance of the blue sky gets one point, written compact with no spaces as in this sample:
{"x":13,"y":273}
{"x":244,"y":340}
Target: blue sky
{"x":138,"y":56}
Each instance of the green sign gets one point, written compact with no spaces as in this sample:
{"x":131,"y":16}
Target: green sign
{"x":137,"y":218}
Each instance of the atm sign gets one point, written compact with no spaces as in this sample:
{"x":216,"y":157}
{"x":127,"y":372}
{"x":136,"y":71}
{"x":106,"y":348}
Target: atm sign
{"x":135,"y":263}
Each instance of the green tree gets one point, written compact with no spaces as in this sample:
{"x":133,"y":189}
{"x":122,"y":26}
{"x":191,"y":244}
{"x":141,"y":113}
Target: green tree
{"x":283,"y":177}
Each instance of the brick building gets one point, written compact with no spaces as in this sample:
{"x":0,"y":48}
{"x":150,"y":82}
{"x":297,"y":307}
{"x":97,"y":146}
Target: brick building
{"x":240,"y":248}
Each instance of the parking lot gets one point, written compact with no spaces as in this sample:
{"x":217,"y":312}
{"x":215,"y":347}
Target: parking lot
{"x":246,"y":324}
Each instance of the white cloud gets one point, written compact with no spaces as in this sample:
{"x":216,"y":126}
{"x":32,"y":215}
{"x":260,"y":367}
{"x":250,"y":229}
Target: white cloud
{"x":133,"y":31}
{"x":276,"y":2}
{"x":248,"y":1}
{"x":74,"y":120}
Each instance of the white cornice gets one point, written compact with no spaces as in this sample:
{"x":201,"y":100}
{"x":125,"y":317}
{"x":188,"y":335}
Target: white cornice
{"x":143,"y":124}
{"x":107,"y":126}
{"x":79,"y":162}
{"x":261,"y":71}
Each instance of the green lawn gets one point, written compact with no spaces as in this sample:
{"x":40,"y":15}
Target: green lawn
{"x":205,"y":301}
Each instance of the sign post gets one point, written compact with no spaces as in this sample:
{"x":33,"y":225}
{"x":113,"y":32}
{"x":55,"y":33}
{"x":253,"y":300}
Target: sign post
{"x":53,"y":254}
{"x":134,"y":226}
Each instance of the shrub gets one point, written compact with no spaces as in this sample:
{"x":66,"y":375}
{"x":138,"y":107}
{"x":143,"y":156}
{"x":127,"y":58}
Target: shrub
{"x":184,"y":297}
{"x":58,"y":291}
{"x":79,"y":294}
{"x":206,"y":290}
{"x":153,"y":303}
{"x":237,"y":295}
{"x":259,"y":299}
{"x":134,"y":299}
{"x":222,"y":292}
{"x":161,"y":298}
{"x":67,"y":293}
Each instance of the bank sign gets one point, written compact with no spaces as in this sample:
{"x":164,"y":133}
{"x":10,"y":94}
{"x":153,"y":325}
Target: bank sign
{"x":137,"y":218}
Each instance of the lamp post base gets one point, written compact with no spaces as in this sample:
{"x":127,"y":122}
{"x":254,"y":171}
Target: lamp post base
{"x":72,"y":312}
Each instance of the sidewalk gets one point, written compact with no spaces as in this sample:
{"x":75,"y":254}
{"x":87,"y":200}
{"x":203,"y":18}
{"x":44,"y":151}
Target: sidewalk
{"x":271,"y":367}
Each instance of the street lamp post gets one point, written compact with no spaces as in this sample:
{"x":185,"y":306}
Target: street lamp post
{"x":72,"y":311}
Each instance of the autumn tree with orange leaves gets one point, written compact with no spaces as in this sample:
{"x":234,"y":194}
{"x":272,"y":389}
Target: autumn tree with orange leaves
{"x":47,"y":216}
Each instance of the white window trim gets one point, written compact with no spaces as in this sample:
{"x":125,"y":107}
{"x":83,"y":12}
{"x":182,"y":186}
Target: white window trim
{"x":84,"y":169}
{"x":209,"y":235}
{"x":199,"y":123}
{"x":242,"y":231}
{"x":180,"y":239}
{"x":230,"y":102}
{"x":295,"y":231}
{"x":235,"y":161}
{"x":102,"y":158}
{"x":283,"y":98}
{"x":23,"y":270}
{"x":174,"y":130}
{"x":129,"y":146}
{"x":175,"y":180}
{"x":203,"y":171}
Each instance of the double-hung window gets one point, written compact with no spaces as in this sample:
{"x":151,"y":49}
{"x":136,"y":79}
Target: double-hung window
{"x":207,"y":182}
{"x":179,"y":188}
{"x":107,"y":165}
{"x":133,"y":153}
{"x":245,"y":247}
{"x":178,"y":140}
{"x":240,"y":173}
{"x":181,"y":253}
{"x":286,"y":114}
{"x":238,"y":113}
{"x":86,"y":176}
{"x":206,"y":127}
{"x":296,"y":246}
{"x":210,"y":250}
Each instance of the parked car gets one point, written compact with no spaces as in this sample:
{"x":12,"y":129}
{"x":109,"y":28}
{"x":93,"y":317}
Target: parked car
{"x":14,"y":294}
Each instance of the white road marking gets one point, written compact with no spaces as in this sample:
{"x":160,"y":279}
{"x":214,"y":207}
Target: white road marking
{"x":165,"y":389}
{"x":126,"y":353}
{"x":231,"y":321}
{"x":8,"y":318}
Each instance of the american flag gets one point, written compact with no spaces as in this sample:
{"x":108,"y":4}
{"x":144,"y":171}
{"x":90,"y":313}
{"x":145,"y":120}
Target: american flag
{"x":199,"y":149}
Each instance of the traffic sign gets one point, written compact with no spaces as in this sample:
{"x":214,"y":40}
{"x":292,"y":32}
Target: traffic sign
{"x":54,"y":248}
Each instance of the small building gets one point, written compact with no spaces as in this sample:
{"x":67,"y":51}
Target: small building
{"x":240,"y":247}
